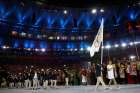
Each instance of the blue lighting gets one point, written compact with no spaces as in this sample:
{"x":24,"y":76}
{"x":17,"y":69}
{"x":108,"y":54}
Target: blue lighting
{"x":32,"y":45}
{"x":5,"y":13}
{"x":64,"y":22}
{"x":57,"y":45}
{"x":71,"y":46}
{"x":16,"y":44}
{"x":29,"y":44}
{"x":50,"y":21}
{"x":100,"y":20}
{"x":88,"y":20}
{"x":133,"y":15}
{"x":118,"y":19}
{"x":39,"y":19}
{"x":83,"y":45}
{"x":75,"y":30}
{"x":26,"y":44}
{"x":22,"y":17}
{"x":2,"y":10}
{"x":27,"y":14}
{"x":80,"y":19}
{"x":43,"y":44}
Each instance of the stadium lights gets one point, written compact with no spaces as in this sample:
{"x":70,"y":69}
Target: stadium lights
{"x":36,"y":50}
{"x":103,"y":47}
{"x":65,"y":11}
{"x":43,"y":49}
{"x":124,"y":45}
{"x":88,"y":48}
{"x":94,"y":11}
{"x":71,"y":49}
{"x":23,"y":34}
{"x":108,"y":46}
{"x":131,"y":43}
{"x":14,"y":33}
{"x":81,"y":49}
{"x":136,"y":43}
{"x":58,"y":37}
{"x":51,"y":37}
{"x":116,"y":45}
{"x":4,"y":47}
{"x":101,"y":10}
{"x":132,"y":57}
{"x":29,"y":49}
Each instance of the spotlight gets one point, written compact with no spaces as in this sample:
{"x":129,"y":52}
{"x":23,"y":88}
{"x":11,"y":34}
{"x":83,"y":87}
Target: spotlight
{"x":43,"y":49}
{"x":36,"y":50}
{"x":132,"y":57}
{"x":65,"y":11}
{"x":108,"y":46}
{"x":138,"y":42}
{"x":88,"y":48}
{"x":23,"y":34}
{"x":124,"y":44}
{"x":29,"y":49}
{"x":4,"y":47}
{"x":81,"y":49}
{"x":71,"y":49}
{"x":131,"y":43}
{"x":135,"y":43}
{"x":51,"y":38}
{"x":101,"y":10}
{"x":103,"y":47}
{"x":94,"y":11}
{"x":116,"y":45}
{"x":58,"y":37}
{"x":14,"y":33}
{"x":75,"y":49}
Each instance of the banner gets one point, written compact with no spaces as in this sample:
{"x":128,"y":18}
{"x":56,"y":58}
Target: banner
{"x":97,"y":41}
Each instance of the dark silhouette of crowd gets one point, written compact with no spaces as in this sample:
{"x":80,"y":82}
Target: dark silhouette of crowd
{"x":34,"y":76}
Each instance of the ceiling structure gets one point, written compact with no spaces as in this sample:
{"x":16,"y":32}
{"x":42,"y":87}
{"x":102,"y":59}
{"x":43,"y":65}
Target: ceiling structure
{"x":75,"y":3}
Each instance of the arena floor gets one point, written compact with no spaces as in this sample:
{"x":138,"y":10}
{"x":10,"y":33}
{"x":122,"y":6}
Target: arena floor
{"x":77,"y":89}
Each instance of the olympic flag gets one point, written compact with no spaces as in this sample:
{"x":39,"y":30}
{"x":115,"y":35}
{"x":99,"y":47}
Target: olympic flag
{"x":98,"y":40}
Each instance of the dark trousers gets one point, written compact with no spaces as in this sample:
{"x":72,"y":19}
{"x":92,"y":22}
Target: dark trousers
{"x":134,"y":78}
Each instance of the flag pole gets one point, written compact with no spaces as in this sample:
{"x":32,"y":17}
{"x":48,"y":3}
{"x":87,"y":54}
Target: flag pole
{"x":102,"y":53}
{"x":102,"y":43}
{"x":102,"y":47}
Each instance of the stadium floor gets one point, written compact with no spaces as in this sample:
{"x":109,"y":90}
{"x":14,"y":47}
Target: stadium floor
{"x":77,"y":89}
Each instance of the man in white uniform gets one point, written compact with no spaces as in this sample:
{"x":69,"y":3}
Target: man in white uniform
{"x":110,"y":73}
